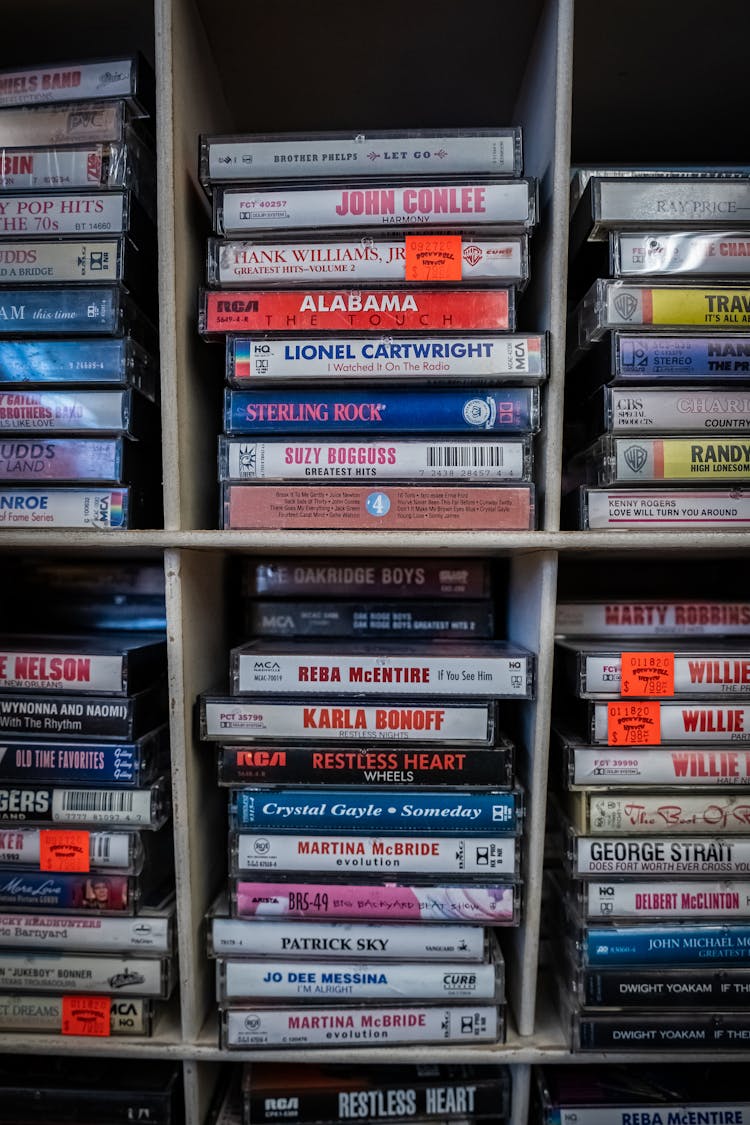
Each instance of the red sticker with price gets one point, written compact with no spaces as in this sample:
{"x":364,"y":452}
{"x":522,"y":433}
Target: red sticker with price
{"x":647,"y":673}
{"x":64,"y":851}
{"x":433,"y":257}
{"x":634,"y":724}
{"x":87,"y":1015}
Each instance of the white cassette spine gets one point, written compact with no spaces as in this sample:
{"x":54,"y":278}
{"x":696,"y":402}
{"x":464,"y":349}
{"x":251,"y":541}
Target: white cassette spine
{"x":634,"y":619}
{"x":99,"y":935}
{"x":688,"y":254}
{"x":27,"y":86}
{"x":691,"y":723}
{"x":435,"y":855}
{"x":21,"y":1013}
{"x":675,"y":508}
{"x":82,"y":213}
{"x":254,"y":938}
{"x":722,"y":768}
{"x":712,"y":674}
{"x":20,"y":847}
{"x":133,"y":807}
{"x":75,"y":412}
{"x":63,"y":508}
{"x":25,"y":169}
{"x":272,"y":981}
{"x":62,"y":124}
{"x":668,"y":813}
{"x":667,"y":901}
{"x":49,"y":262}
{"x":674,"y":411}
{"x":59,"y":671}
{"x":678,"y":202}
{"x":398,"y":675}
{"x":660,"y":856}
{"x":65,"y":972}
{"x":328,"y":1027}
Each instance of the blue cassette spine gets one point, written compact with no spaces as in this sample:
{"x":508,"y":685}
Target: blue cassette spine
{"x":338,"y":810}
{"x":476,"y":410}
{"x":118,"y":766}
{"x":659,"y":945}
{"x":93,"y":311}
{"x":681,"y":357}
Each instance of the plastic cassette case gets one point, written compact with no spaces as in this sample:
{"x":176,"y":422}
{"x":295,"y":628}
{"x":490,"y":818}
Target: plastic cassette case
{"x":668,"y":509}
{"x":459,"y":620}
{"x":105,"y":665}
{"x":696,"y":459}
{"x":345,"y":577}
{"x":72,"y":261}
{"x":723,"y":767}
{"x":68,"y":460}
{"x":618,"y":304}
{"x":371,"y":856}
{"x":698,"y":1032}
{"x":663,"y":989}
{"x":626,"y":617}
{"x":663,"y":668}
{"x":658,"y":901}
{"x":473,"y":459}
{"x":652,"y":722}
{"x":351,"y":310}
{"x":75,"y":1015}
{"x":338,"y":1094}
{"x":341,"y":810}
{"x":84,"y":310}
{"x":42,"y":126}
{"x":229,"y":719}
{"x":45,"y":214}
{"x":54,"y":850}
{"x":469,"y":411}
{"x":467,"y":203}
{"x":121,"y":76}
{"x":123,"y":808}
{"x":695,"y":856}
{"x":66,"y":893}
{"x":150,"y":933}
{"x":116,"y":766}
{"x":243,"y":1028}
{"x":655,"y":410}
{"x":680,"y":359}
{"x":87,"y":363}
{"x":408,"y":507}
{"x":412,"y":152}
{"x":480,"y":903}
{"x":265,"y":360}
{"x":123,"y":975}
{"x":66,"y":411}
{"x":660,"y":812}
{"x":468,"y":257}
{"x":484,"y":669}
{"x":52,"y":714}
{"x":390,"y":766}
{"x":680,"y":253}
{"x":694,"y":944}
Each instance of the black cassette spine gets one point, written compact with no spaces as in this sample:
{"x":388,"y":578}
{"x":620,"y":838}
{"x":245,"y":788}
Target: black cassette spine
{"x":49,"y":714}
{"x":458,"y":620}
{"x":720,"y":988}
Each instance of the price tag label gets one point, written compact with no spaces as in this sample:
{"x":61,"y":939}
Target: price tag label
{"x":433,"y":257}
{"x":633,"y":724}
{"x":87,"y":1015}
{"x":63,"y":851}
{"x":647,"y":673}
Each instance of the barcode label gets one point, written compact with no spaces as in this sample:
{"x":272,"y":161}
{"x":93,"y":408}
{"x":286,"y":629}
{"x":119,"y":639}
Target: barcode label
{"x":470,"y":456}
{"x":103,"y":806}
{"x":93,"y":800}
{"x":100,"y":848}
{"x":112,"y":850}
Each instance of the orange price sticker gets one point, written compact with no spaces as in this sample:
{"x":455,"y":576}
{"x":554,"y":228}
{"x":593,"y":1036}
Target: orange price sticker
{"x":647,"y":673}
{"x":63,"y":851}
{"x":433,"y":257}
{"x":634,"y":724}
{"x":87,"y":1015}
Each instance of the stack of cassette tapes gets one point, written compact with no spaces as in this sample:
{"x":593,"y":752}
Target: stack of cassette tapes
{"x":659,"y":408}
{"x":655,"y":897}
{"x":366,"y":288}
{"x":374,"y":816}
{"x":86,"y":868}
{"x":695,"y":1094}
{"x":79,"y":425}
{"x":259,"y":1094}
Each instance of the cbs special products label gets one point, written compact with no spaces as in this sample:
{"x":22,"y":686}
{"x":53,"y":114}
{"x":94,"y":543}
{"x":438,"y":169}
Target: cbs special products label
{"x":681,"y":410}
{"x":240,"y":211}
{"x":698,"y":856}
{"x":84,"y":213}
{"x":680,"y":358}
{"x":482,"y":669}
{"x":631,"y":766}
{"x":674,"y":509}
{"x":439,"y":855}
{"x":352,"y":358}
{"x":691,"y":253}
{"x":674,"y":900}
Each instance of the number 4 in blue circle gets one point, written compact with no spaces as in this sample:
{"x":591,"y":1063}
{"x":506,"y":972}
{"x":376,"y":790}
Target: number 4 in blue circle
{"x":378,"y":504}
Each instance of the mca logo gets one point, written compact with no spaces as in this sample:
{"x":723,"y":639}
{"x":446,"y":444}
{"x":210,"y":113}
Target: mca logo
{"x":626,"y":304}
{"x":635,"y":457}
{"x":473,"y":254}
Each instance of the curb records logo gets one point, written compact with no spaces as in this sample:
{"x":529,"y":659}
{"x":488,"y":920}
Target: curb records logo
{"x":635,"y":457}
{"x":252,"y":1022}
{"x":473,"y":254}
{"x":261,"y":846}
{"x":479,"y":412}
{"x":626,"y":304}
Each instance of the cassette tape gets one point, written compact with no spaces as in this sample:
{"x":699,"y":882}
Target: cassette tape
{"x":281,"y":981}
{"x":657,"y":901}
{"x":680,"y":253}
{"x":459,"y":620}
{"x":116,"y":766}
{"x":243,"y":1029}
{"x":345,"y":310}
{"x":265,"y":360}
{"x":506,"y":411}
{"x":150,"y":933}
{"x":52,"y":973}
{"x":412,"y":152}
{"x":341,"y":577}
{"x":482,"y":669}
{"x":84,"y":310}
{"x":468,"y":257}
{"x":73,"y":261}
{"x":86,"y":363}
{"x":652,"y":722}
{"x":616,"y":304}
{"x":53,"y":713}
{"x":627,"y":460}
{"x":422,"y":855}
{"x":50,"y":213}
{"x":481,"y":903}
{"x":669,"y":509}
{"x":409,"y":1091}
{"x":688,"y":411}
{"x":44,"y":126}
{"x":680,"y":359}
{"x":67,"y":412}
{"x":674,"y":667}
{"x":666,"y":812}
{"x":242,"y":211}
{"x":663,"y":990}
{"x":696,"y":856}
{"x":675,"y":768}
{"x":447,"y":813}
{"x":101,"y":664}
{"x":408,"y":507}
{"x":66,"y":460}
{"x":243,"y":459}
{"x":70,"y":893}
{"x":330,"y":766}
{"x":669,"y":944}
{"x":123,"y":76}
{"x":75,"y":1015}
{"x":697,"y":1032}
{"x":623,"y":617}
{"x":122,"y":808}
{"x":256,"y":937}
{"x":229,"y":719}
{"x":53,"y":850}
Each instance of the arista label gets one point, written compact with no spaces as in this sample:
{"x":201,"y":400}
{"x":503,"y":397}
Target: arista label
{"x":338,"y":310}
